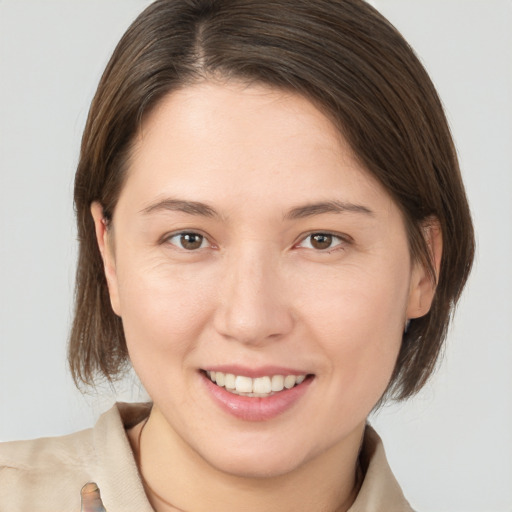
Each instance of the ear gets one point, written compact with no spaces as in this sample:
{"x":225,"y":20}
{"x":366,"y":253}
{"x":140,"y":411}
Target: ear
{"x":423,"y":284}
{"x":105,"y":245}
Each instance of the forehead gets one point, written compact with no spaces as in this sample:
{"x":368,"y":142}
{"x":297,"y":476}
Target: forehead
{"x":225,"y":141}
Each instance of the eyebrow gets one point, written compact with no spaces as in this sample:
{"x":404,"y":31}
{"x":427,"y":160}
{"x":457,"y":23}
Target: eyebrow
{"x":299,"y":212}
{"x":179,"y":205}
{"x":312,"y":209}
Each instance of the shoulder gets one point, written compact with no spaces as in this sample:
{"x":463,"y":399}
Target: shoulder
{"x":42,"y":469}
{"x":380,"y":490}
{"x":47,"y":474}
{"x":46,"y":453}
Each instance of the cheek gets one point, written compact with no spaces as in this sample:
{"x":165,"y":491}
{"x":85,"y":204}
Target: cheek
{"x":357,"y":301}
{"x":164,"y":313}
{"x":357,"y":319}
{"x":163,"y":308}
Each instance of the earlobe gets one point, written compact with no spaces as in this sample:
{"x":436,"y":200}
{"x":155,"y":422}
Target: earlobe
{"x":423,"y":283}
{"x":107,"y":254}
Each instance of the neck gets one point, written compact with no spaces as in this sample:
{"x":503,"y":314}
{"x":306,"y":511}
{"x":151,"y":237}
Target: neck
{"x":177,"y":479}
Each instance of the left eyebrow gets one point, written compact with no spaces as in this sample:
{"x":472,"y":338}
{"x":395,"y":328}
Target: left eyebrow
{"x":309,"y":210}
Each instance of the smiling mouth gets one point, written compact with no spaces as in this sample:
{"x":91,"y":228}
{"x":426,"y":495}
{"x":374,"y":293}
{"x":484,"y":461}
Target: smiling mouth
{"x":260,"y":387}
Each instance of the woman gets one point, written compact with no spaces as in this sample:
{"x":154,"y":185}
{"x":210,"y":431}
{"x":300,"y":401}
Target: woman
{"x":273,"y":232}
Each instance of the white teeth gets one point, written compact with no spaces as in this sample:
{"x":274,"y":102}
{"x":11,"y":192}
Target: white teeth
{"x":289,"y":381}
{"x":230,"y":381}
{"x":277,"y":383}
{"x":220,"y":379}
{"x":243,"y":384}
{"x":262,"y":385}
{"x":258,"y":387}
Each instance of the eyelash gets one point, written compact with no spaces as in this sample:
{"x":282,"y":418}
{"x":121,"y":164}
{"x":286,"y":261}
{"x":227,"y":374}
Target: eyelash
{"x":331,"y":237}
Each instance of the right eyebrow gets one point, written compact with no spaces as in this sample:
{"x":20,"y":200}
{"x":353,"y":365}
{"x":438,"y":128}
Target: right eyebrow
{"x":179,"y":205}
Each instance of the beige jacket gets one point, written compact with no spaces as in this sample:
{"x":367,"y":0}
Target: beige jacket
{"x":46,"y":475}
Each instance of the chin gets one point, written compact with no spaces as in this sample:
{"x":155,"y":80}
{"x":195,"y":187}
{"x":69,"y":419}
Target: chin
{"x":255,"y":465}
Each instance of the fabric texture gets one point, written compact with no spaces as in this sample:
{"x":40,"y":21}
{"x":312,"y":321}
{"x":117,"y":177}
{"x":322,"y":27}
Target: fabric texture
{"x":47,"y":475}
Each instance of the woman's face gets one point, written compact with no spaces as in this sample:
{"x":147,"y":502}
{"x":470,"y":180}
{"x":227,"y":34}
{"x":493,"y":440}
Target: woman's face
{"x":249,"y":242}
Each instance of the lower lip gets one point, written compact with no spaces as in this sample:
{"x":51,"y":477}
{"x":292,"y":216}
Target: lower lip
{"x":256,"y":408}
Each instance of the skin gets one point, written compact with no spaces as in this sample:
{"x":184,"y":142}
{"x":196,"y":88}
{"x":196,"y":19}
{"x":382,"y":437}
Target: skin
{"x":91,"y":498}
{"x":256,"y":292}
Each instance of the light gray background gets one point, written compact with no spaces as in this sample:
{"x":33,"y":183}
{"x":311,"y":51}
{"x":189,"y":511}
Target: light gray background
{"x":451,"y":447}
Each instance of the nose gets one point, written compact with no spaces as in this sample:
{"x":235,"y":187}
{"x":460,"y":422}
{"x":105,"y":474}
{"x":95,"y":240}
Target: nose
{"x":253,"y":305}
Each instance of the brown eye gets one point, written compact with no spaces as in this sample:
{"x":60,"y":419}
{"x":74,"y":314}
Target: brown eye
{"x":321,"y":240}
{"x":191,"y":241}
{"x":188,"y":241}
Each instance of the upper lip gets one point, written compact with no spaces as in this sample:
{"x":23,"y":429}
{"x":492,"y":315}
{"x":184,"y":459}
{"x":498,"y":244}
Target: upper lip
{"x":261,"y":371}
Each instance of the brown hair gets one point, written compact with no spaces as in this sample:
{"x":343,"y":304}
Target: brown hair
{"x":347,"y":59}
